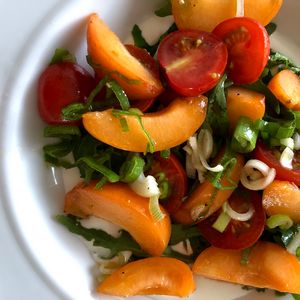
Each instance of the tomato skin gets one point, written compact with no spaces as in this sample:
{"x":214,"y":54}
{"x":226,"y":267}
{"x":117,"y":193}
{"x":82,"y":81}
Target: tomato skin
{"x":263,"y":153}
{"x":193,"y":61}
{"x":60,"y":85}
{"x":231,"y":238}
{"x":248,"y":48}
{"x":176,"y":177}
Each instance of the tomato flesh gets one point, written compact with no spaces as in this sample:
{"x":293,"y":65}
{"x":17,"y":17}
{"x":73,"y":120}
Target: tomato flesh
{"x":248,"y":48}
{"x":238,"y":234}
{"x":176,"y":177}
{"x":265,"y":154}
{"x":60,"y":85}
{"x":193,"y":61}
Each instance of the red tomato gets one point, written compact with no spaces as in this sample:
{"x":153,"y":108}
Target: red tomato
{"x":248,"y":47}
{"x":177,"y":179}
{"x":238,"y":234}
{"x":193,"y":61}
{"x":60,"y":85}
{"x":265,"y":154}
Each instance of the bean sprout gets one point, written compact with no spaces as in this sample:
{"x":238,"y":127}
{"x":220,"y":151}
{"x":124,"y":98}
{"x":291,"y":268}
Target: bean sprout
{"x":252,"y":180}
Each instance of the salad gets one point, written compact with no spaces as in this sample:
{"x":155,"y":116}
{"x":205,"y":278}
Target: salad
{"x":190,"y":146}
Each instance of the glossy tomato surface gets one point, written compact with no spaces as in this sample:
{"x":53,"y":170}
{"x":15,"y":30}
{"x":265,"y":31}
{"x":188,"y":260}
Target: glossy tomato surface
{"x":60,"y":85}
{"x":176,"y":177}
{"x":193,"y":61}
{"x":248,"y":48}
{"x":267,"y":155}
{"x":238,"y":234}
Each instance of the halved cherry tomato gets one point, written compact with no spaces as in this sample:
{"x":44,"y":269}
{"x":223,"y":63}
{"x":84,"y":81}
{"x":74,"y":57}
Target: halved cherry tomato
{"x":60,"y":85}
{"x":248,"y":48}
{"x":193,"y":61}
{"x":265,"y":154}
{"x":238,"y":234}
{"x":176,"y":178}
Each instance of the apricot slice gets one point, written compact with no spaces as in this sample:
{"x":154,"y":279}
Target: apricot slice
{"x":207,"y":14}
{"x":167,"y":128}
{"x":285,"y":85}
{"x":117,"y":203}
{"x":150,"y":276}
{"x":242,"y":102}
{"x":282,"y":197}
{"x":269,"y":266}
{"x":109,"y":56}
{"x":206,"y":199}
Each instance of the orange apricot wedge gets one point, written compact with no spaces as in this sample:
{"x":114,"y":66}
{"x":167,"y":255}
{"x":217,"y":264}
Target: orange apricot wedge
{"x":150,"y":276}
{"x":118,"y":204}
{"x":206,"y":199}
{"x":269,"y":266}
{"x":282,"y":197}
{"x":285,"y":85}
{"x":167,"y":128}
{"x":243,"y":102}
{"x":109,"y":56}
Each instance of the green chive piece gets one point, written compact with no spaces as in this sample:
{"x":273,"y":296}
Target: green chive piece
{"x":74,"y":111}
{"x":99,"y":167}
{"x":284,"y":222}
{"x":61,"y":131}
{"x":120,"y":94}
{"x":101,"y":183}
{"x":131,"y":169}
{"x":62,"y":55}
{"x":96,"y":91}
{"x":245,"y":136}
{"x":155,"y":210}
{"x":222,"y":222}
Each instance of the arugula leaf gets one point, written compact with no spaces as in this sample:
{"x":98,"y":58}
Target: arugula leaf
{"x":276,"y":59}
{"x":165,"y":10}
{"x":62,"y":55}
{"x":101,"y":238}
{"x":180,"y":233}
{"x":140,"y":41}
{"x":217,"y":116}
{"x":271,"y":27}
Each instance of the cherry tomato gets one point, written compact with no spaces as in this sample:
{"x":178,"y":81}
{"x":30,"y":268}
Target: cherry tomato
{"x":248,"y":48}
{"x":149,"y":62}
{"x":238,"y":234}
{"x":175,"y":176}
{"x":265,"y":154}
{"x":193,"y":61}
{"x":60,"y":85}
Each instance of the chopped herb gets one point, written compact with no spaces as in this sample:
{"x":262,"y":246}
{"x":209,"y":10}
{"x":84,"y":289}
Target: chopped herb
{"x":165,"y":153}
{"x":62,"y":55}
{"x":165,"y":10}
{"x":181,"y":233}
{"x":131,"y":169}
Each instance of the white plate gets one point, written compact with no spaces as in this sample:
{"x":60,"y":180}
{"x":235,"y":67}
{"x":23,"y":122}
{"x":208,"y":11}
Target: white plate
{"x":39,"y":259}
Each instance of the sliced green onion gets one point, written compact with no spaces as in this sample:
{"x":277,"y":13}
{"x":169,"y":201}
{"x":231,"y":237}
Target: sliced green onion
{"x":62,"y":55}
{"x":222,"y":222}
{"x":245,"y":136}
{"x":101,"y":183}
{"x":99,"y":167}
{"x":154,"y":209}
{"x":164,"y":188}
{"x":61,"y":131}
{"x":120,"y":94}
{"x":282,"y":221}
{"x":131,"y":169}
